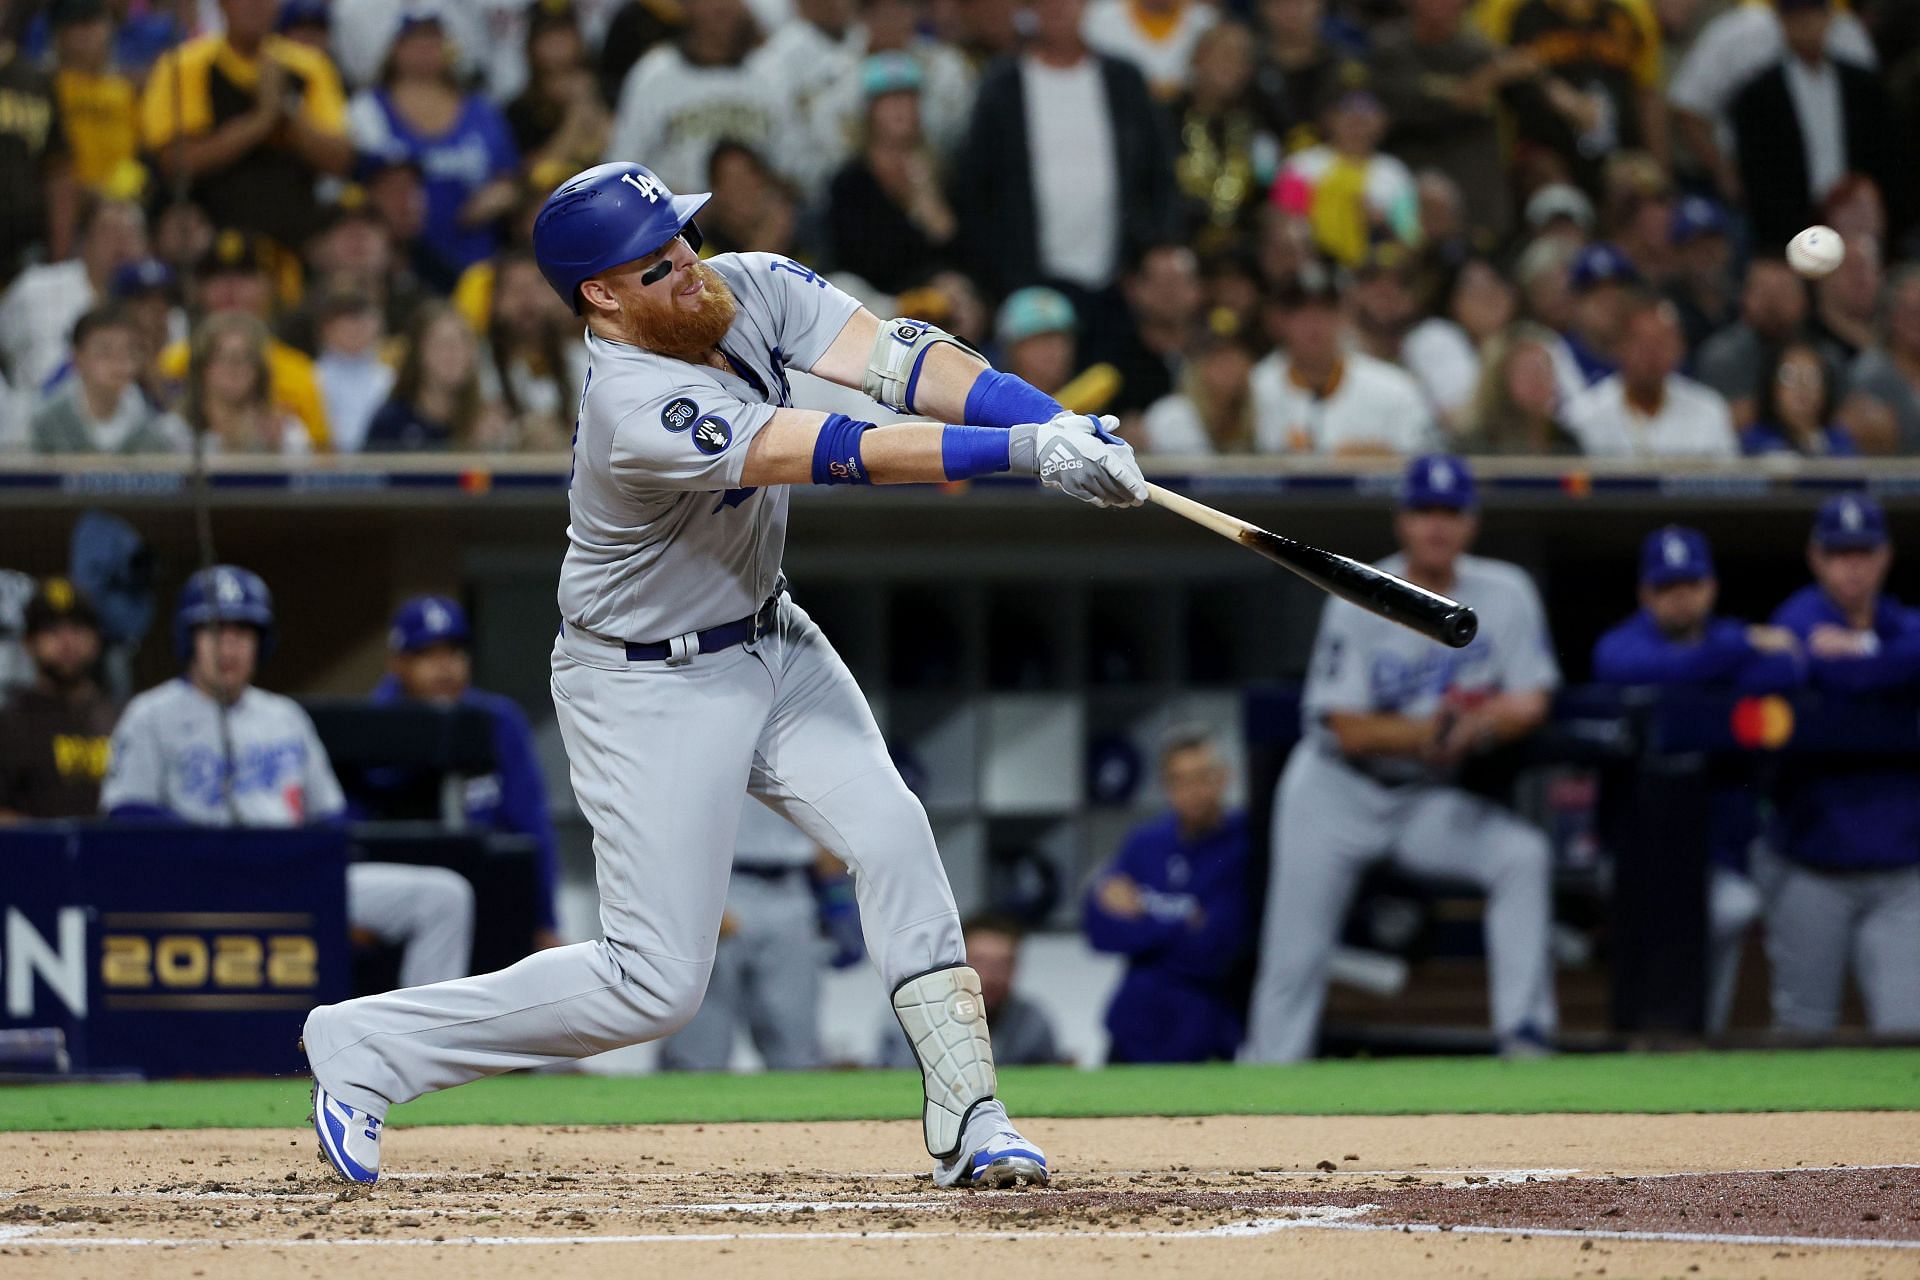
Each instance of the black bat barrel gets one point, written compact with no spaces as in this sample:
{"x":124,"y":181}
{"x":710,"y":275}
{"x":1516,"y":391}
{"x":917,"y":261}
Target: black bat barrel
{"x":1395,"y":599}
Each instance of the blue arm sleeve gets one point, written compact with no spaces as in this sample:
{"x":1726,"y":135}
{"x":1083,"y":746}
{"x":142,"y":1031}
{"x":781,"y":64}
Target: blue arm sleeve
{"x":523,"y":802}
{"x":1001,"y":400}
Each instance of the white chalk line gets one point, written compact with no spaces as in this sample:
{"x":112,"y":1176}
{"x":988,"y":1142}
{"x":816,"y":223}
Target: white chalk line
{"x":1309,"y":1216}
{"x":1326,"y":1218}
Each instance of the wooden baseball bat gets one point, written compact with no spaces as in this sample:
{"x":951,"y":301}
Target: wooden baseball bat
{"x":1396,"y":599}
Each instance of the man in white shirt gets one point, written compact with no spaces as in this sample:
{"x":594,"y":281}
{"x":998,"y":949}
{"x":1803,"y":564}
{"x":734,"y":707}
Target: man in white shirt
{"x":1311,"y":396}
{"x":39,"y":307}
{"x":1648,"y":410}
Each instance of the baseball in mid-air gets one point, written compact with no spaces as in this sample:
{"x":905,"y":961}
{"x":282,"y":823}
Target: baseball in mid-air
{"x":1816,"y":252}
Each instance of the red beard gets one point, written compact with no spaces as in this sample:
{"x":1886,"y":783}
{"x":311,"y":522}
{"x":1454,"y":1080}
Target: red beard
{"x":675,"y":331}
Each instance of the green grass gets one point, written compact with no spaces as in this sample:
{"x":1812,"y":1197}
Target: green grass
{"x":1825,"y":1080}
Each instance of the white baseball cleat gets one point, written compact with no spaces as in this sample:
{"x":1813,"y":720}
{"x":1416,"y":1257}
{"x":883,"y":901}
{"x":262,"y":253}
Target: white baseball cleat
{"x":994,"y":1155}
{"x":349,"y":1137}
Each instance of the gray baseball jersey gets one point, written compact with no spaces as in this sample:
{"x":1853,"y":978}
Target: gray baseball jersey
{"x":663,"y":540}
{"x":1364,"y":663}
{"x":1333,"y":818}
{"x":168,"y":752}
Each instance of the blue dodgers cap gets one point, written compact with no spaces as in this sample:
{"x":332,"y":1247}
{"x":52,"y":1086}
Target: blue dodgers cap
{"x":1030,"y":312}
{"x":1600,"y":264}
{"x":1694,"y":217}
{"x":1675,"y":554}
{"x":425,"y":621}
{"x":1438,"y":480}
{"x":1850,"y":522}
{"x":147,"y":275}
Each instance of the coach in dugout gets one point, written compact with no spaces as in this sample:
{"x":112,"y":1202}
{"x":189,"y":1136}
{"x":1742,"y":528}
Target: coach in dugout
{"x":53,"y":732}
{"x":1842,"y":883}
{"x":429,"y":661}
{"x":210,"y":749}
{"x":1388,"y":718}
{"x":1174,"y":903}
{"x":1675,"y":641}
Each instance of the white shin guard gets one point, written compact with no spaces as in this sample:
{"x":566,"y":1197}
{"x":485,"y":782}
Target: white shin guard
{"x":946,"y":1020}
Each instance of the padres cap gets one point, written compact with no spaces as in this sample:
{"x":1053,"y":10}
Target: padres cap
{"x":57,"y":601}
{"x":1438,"y":480}
{"x":425,"y":621}
{"x":1675,"y":554}
{"x":233,"y":253}
{"x":1850,"y":522}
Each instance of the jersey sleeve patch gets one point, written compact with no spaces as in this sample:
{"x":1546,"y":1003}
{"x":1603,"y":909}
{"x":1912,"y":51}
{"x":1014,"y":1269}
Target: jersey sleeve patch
{"x":679,"y":413}
{"x":712,"y":434}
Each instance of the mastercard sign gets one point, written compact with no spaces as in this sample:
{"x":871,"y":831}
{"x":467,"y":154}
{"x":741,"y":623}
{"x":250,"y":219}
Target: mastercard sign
{"x":1762,"y":723}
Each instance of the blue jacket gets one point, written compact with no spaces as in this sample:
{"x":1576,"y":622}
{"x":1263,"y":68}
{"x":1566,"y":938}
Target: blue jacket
{"x":513,"y":800}
{"x":1180,"y":1000}
{"x":1638,"y":652}
{"x":1842,"y":815}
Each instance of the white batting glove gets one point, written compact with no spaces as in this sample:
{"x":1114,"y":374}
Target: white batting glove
{"x":1078,"y":463}
{"x":1103,"y":427}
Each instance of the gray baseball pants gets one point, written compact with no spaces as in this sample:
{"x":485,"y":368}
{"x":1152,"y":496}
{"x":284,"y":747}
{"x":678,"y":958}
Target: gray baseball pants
{"x":426,"y":911}
{"x":662,"y":757}
{"x":1820,"y":921}
{"x":1331,"y":823}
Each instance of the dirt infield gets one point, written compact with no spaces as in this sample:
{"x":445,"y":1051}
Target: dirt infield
{"x":1784,"y":1196}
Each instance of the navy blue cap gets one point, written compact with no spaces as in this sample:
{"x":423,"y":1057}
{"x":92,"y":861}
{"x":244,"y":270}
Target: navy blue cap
{"x":1599,"y":264}
{"x":1850,"y":522}
{"x":1675,"y":554}
{"x":1694,"y":217}
{"x":1438,"y":480}
{"x":425,"y":621}
{"x":144,"y":276}
{"x":302,"y":13}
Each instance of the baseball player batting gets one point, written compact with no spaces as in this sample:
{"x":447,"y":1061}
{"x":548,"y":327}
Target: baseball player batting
{"x":686,"y":679}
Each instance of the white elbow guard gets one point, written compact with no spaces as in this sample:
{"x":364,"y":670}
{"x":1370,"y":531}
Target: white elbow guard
{"x":893,"y":367}
{"x":944,"y":1016}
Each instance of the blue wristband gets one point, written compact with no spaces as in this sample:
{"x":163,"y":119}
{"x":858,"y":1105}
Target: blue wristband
{"x":966,"y":452}
{"x":836,"y":452}
{"x":1002,"y":400}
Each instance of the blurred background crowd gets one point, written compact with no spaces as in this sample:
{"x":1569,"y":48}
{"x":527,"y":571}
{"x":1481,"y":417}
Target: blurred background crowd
{"x":1283,"y":226}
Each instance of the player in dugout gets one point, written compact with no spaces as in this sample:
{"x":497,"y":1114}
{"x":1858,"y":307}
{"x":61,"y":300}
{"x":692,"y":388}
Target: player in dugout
{"x":209,"y":748}
{"x":1841,"y":878}
{"x":1388,"y":718}
{"x":1676,"y":641}
{"x":54,"y":732}
{"x":1174,"y":903}
{"x":429,"y":660}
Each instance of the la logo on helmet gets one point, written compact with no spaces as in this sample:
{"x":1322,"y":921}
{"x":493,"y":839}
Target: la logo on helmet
{"x":1676,"y":549}
{"x":645,"y":184}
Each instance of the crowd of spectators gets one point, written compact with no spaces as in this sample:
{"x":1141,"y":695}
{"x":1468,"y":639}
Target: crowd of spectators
{"x":1256,"y":226}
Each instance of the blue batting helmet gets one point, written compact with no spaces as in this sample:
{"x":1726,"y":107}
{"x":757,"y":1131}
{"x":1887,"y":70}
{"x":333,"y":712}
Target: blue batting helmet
{"x":224,"y":593}
{"x":604,"y":216}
